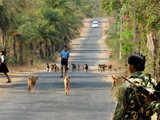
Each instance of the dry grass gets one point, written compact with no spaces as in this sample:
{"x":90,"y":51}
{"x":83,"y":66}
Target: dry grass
{"x":14,"y":79}
{"x":27,"y":68}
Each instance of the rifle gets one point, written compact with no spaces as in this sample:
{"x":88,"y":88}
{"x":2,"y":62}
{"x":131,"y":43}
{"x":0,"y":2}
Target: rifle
{"x":139,"y":88}
{"x":153,"y":96}
{"x":156,"y":94}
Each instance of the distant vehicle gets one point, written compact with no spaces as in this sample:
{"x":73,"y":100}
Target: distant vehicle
{"x":94,"y":24}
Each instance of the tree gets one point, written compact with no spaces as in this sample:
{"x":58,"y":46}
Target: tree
{"x":33,"y":29}
{"x":146,"y":16}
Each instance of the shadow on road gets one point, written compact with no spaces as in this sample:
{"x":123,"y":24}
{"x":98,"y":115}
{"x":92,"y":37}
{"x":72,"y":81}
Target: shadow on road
{"x":54,"y":85}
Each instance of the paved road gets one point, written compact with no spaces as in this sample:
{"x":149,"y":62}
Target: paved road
{"x":90,"y":99}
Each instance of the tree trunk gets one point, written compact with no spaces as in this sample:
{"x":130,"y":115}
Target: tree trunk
{"x":158,"y":74}
{"x":1,"y":36}
{"x":41,"y":50}
{"x":46,"y":49}
{"x":14,"y":48}
{"x":156,"y":48}
{"x":20,"y":50}
{"x":3,"y":39}
{"x":52,"y":47}
{"x":49,"y":51}
{"x":31,"y":56}
{"x":4,"y":43}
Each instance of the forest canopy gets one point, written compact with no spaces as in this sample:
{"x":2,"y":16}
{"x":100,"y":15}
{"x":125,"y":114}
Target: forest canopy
{"x":32,"y":30}
{"x":135,"y":27}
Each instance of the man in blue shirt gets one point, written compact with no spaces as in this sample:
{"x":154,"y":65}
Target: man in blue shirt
{"x":64,"y":60}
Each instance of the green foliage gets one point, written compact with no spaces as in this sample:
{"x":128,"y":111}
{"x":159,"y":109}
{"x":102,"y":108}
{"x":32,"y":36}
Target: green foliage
{"x":1,"y":2}
{"x":140,"y":18}
{"x":90,"y":8}
{"x":127,"y":34}
{"x":127,"y":48}
{"x":11,"y":61}
{"x":111,"y":6}
{"x":4,"y":21}
{"x":39,"y":28}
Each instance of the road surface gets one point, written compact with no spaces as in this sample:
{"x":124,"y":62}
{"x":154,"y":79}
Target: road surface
{"x":90,"y":95}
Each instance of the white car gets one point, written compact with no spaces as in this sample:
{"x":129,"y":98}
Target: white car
{"x":94,"y":24}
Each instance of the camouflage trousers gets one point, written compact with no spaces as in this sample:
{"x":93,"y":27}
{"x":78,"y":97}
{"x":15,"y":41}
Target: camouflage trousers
{"x":158,"y":116}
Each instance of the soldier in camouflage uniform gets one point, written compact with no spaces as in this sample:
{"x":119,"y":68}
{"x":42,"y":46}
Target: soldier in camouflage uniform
{"x":156,"y":108}
{"x":132,"y":105}
{"x":155,"y":100}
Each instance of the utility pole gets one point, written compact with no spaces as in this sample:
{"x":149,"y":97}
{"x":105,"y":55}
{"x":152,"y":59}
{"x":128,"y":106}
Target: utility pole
{"x":121,"y":29}
{"x":135,"y":29}
{"x":134,"y":23}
